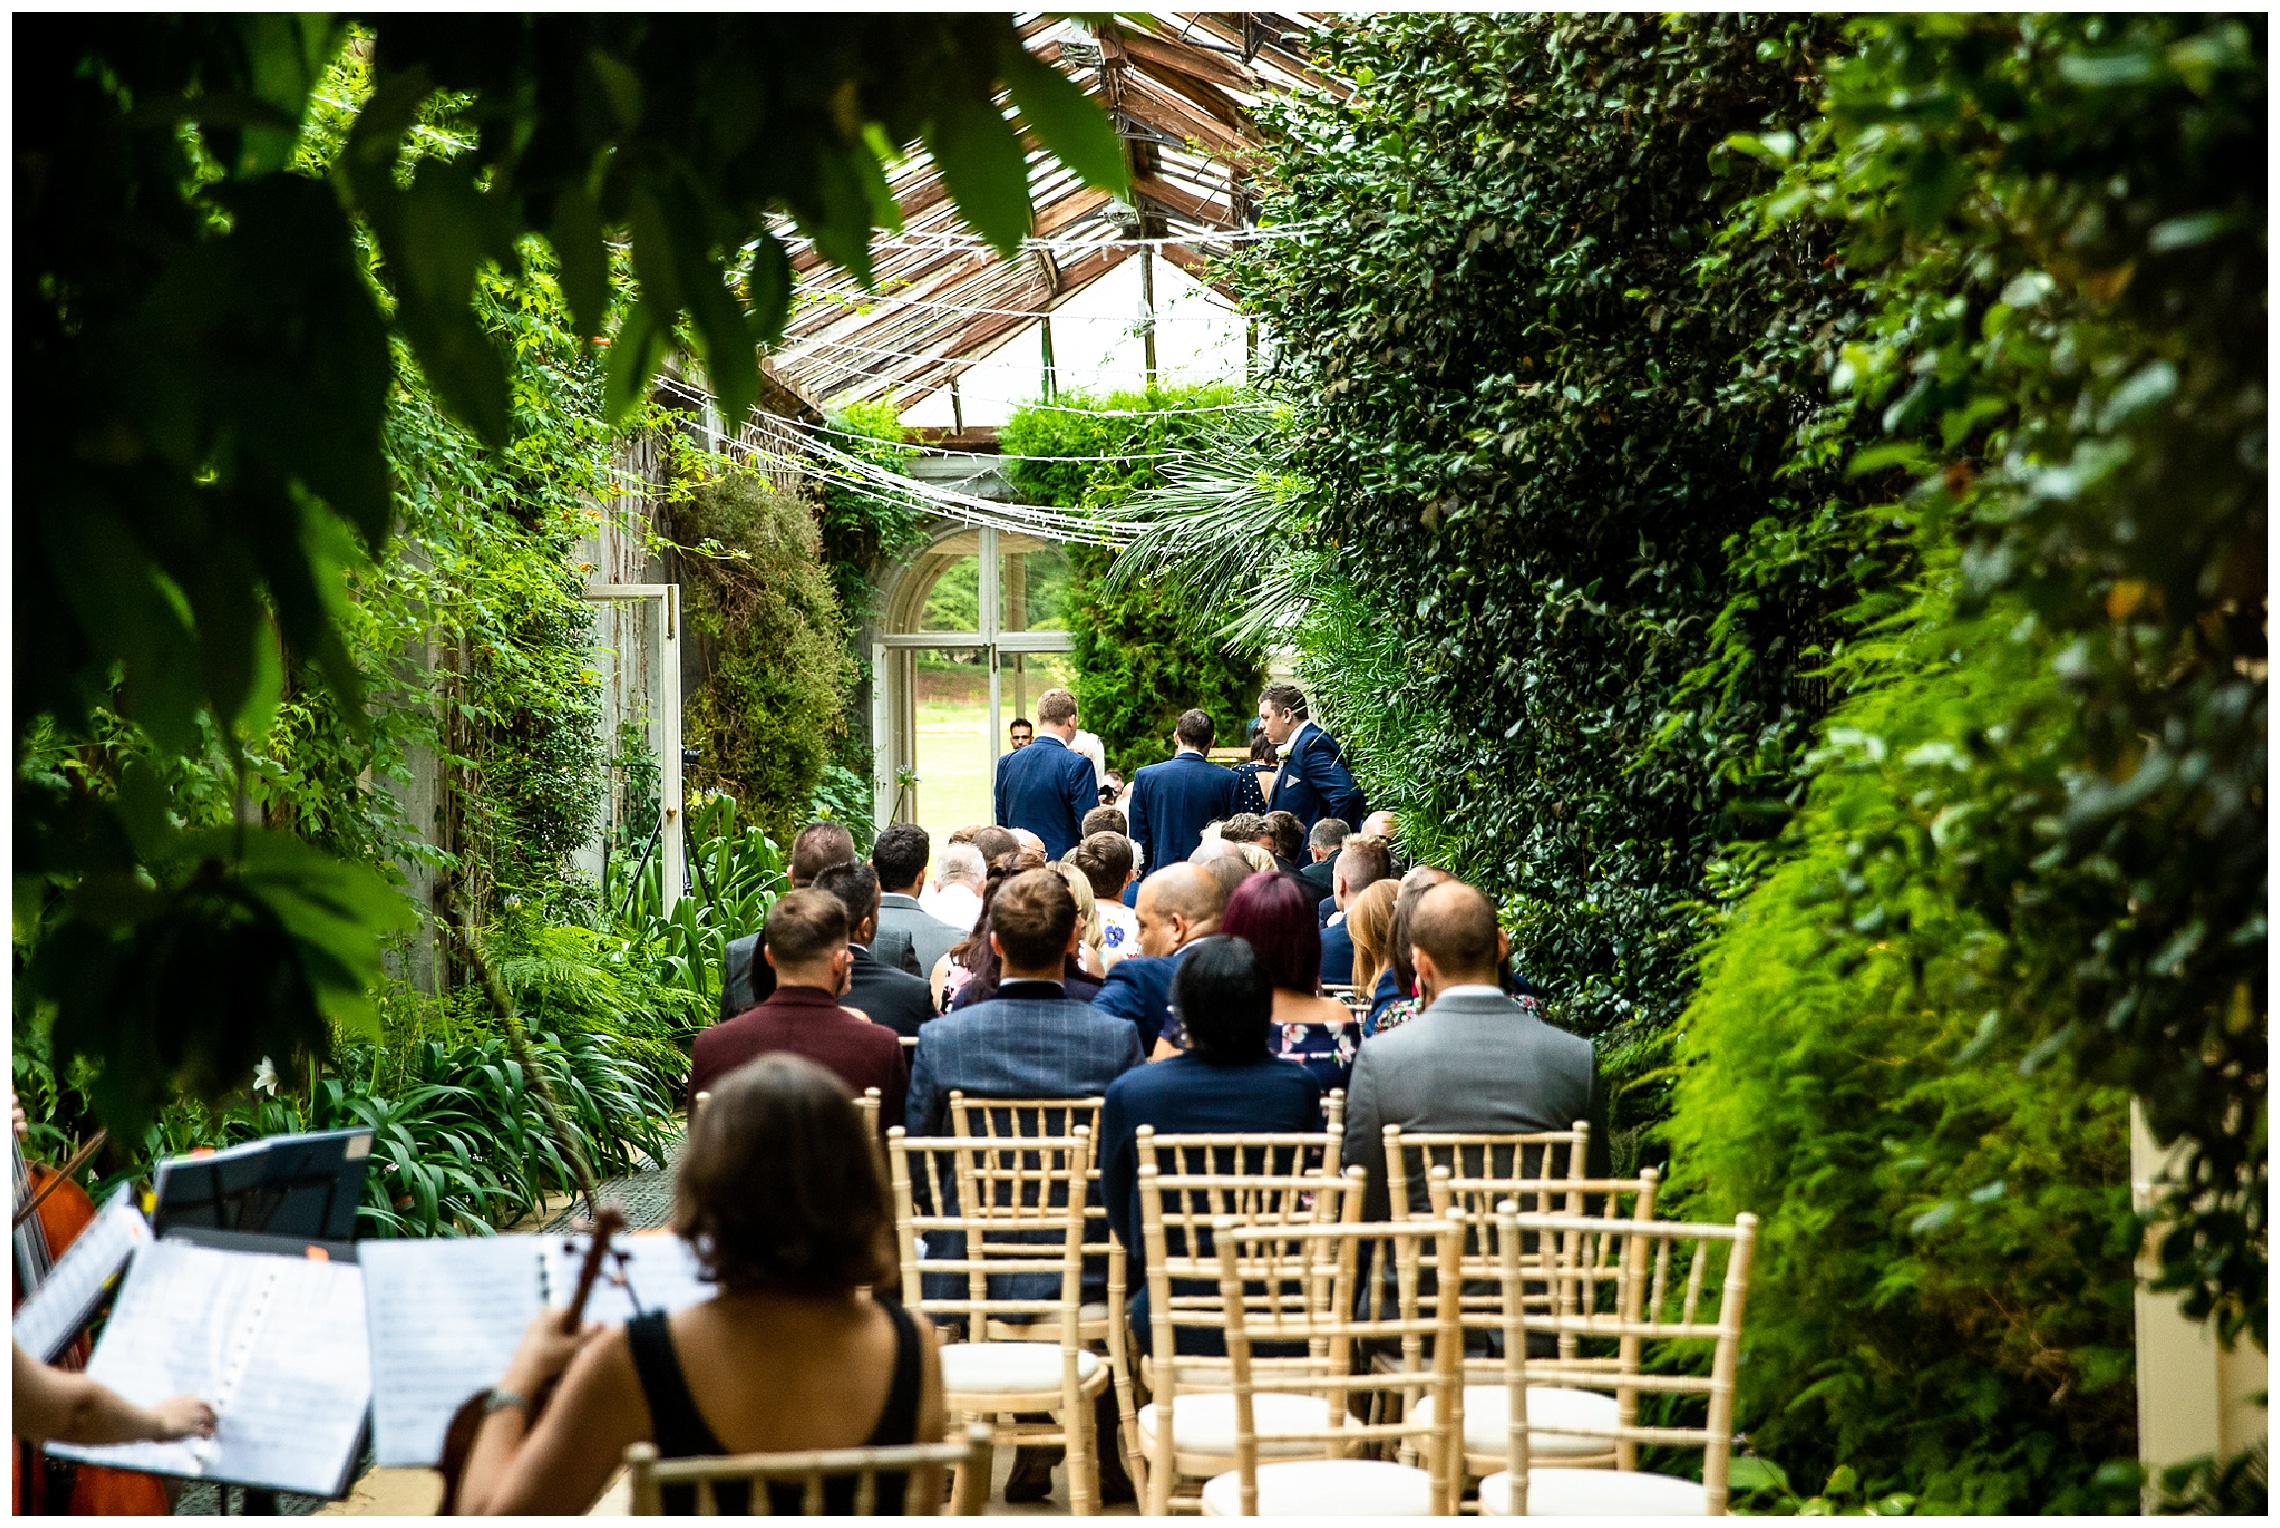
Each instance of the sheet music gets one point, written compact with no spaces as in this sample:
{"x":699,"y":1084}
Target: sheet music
{"x":275,"y":1343}
{"x":656,"y":1273}
{"x":61,"y":1305}
{"x":443,"y":1318}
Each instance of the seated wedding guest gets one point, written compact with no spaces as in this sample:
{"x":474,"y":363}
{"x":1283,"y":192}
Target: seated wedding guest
{"x":745,"y":977}
{"x":957,"y":968}
{"x":899,"y":855}
{"x":1089,"y":926}
{"x":956,"y":895}
{"x":1360,"y":865}
{"x":51,"y":1405}
{"x":880,"y":992}
{"x":1253,"y":779}
{"x":1178,"y":906}
{"x":784,"y":1204}
{"x":1230,"y":861}
{"x":1480,"y":1062}
{"x":1112,"y":787}
{"x":1322,"y":845}
{"x":1030,"y":851}
{"x":1394,"y":1001}
{"x":1031,"y":1039}
{"x":992,"y":842}
{"x":1248,"y":828}
{"x":1103,"y":819}
{"x":1227,"y":1080}
{"x":807,"y":949}
{"x":1275,"y":914}
{"x":1106,"y":860}
{"x":1370,"y":921}
{"x":973,"y":971}
{"x":1285,"y":839}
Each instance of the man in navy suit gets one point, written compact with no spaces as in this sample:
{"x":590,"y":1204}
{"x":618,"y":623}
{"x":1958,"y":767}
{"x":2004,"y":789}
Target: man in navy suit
{"x":1312,"y":781}
{"x":1172,"y":801}
{"x":1048,"y":786}
{"x":1177,"y":908}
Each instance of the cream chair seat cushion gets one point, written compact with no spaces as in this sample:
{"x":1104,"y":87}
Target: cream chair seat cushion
{"x":1204,"y":1423}
{"x":1488,"y":1415}
{"x":1325,"y":1488}
{"x":1009,"y":1368}
{"x":1597,"y":1493}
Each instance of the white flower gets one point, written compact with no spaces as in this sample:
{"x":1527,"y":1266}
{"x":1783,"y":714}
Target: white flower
{"x":265,"y":1077}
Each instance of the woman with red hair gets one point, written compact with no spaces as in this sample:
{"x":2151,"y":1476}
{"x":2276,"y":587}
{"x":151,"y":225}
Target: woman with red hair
{"x":1275,"y":911}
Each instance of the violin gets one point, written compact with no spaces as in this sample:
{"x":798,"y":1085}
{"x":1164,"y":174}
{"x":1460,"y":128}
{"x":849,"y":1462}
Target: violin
{"x":51,"y":1210}
{"x":459,"y":1437}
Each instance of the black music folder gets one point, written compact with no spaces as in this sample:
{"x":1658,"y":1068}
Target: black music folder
{"x":302,"y":1186}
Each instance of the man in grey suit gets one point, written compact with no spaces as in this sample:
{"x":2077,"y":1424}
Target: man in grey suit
{"x":1474,"y":1060}
{"x":899,"y":855}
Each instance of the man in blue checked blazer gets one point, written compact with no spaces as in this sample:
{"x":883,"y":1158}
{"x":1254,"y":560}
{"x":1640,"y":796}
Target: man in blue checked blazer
{"x":1173,"y":801}
{"x":1048,"y":786}
{"x":1030,"y":1041}
{"x":1312,"y":782}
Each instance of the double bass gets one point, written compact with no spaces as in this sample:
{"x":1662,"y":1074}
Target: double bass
{"x":51,"y":1210}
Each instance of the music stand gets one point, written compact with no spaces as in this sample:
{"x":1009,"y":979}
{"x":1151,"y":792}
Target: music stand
{"x":297,"y":1188}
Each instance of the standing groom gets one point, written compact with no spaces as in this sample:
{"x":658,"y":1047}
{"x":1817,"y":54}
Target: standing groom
{"x":1312,"y":782}
{"x":1048,"y":786}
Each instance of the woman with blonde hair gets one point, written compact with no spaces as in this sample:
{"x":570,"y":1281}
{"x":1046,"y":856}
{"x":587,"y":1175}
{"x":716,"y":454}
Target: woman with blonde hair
{"x":1370,"y":919}
{"x":1089,"y":948}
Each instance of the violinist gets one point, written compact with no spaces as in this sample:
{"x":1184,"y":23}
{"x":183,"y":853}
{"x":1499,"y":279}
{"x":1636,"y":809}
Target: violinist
{"x":780,"y":1194}
{"x":55,"y":1406}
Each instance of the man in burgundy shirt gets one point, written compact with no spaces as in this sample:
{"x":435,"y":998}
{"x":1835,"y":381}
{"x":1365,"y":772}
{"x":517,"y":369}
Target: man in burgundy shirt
{"x":807,"y":949}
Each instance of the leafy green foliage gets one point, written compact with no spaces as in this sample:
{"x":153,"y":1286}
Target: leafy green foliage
{"x":2067,"y":364}
{"x":1140,"y":660}
{"x":215,"y":356}
{"x":778,"y":675}
{"x":1571,"y":612}
{"x":1945,"y":1236}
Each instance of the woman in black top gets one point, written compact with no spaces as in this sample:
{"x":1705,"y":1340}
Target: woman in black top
{"x":779,"y":1192}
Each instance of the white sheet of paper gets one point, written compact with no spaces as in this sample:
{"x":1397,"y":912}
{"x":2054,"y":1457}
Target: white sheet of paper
{"x":60,"y":1306}
{"x":275,"y":1343}
{"x":443,"y":1318}
{"x":661,"y":1270}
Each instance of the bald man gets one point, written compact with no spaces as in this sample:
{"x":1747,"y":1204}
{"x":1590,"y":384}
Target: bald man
{"x":1177,"y":906}
{"x":1476,"y":1061}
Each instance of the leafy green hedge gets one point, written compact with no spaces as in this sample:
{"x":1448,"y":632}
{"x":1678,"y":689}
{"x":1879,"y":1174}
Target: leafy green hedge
{"x":1140,"y":660}
{"x":1794,"y":495}
{"x":776,"y":697}
{"x":1546,"y":414}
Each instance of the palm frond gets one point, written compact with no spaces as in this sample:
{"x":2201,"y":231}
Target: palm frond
{"x":1227,"y":532}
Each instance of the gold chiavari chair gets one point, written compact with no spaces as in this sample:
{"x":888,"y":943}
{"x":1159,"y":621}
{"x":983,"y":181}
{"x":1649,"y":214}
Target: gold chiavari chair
{"x":1697,"y":1287}
{"x":1570,"y":1271}
{"x":968,"y":1460}
{"x":1187,"y":1184}
{"x":1542,"y":1157}
{"x":1002,"y":1214}
{"x":1268,"y":1277}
